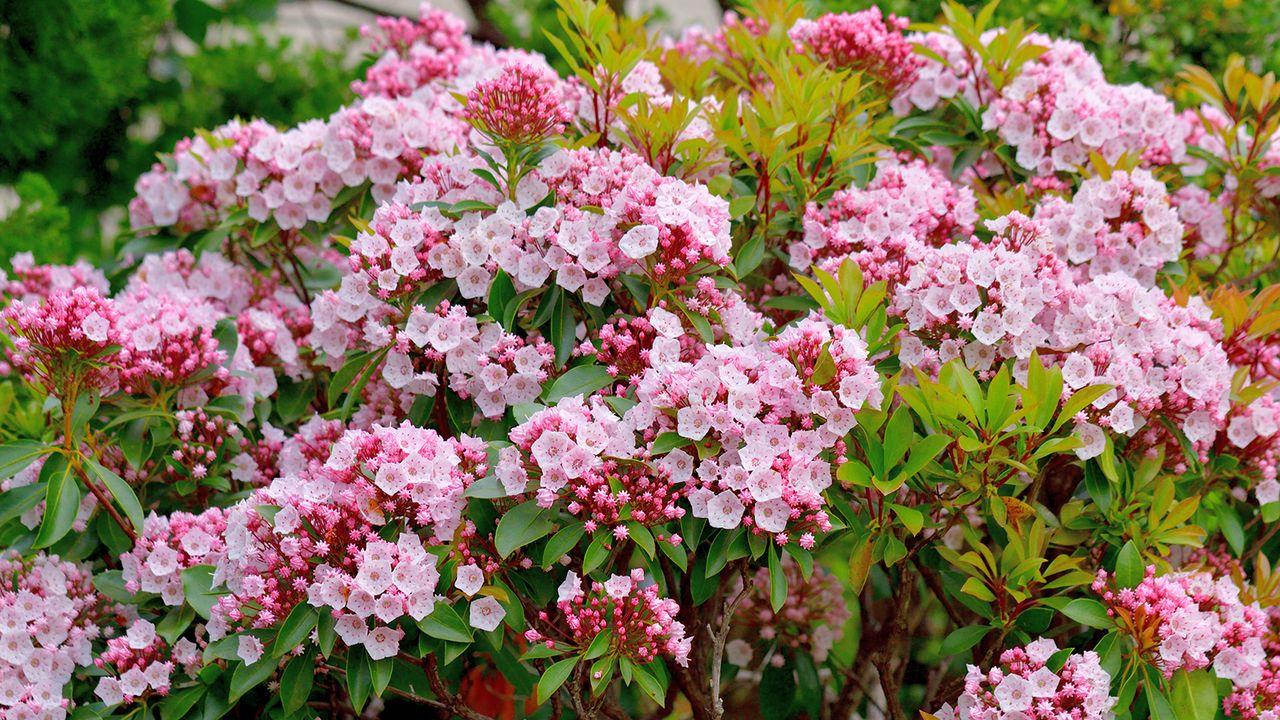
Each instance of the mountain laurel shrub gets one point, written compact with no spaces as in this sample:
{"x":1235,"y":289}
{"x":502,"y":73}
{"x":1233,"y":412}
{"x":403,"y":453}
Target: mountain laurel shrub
{"x":818,"y":367}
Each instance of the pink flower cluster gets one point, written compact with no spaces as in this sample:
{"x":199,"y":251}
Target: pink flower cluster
{"x":413,"y":54}
{"x":1122,"y":224}
{"x":169,"y":545}
{"x":1024,"y":688}
{"x":141,"y":663}
{"x":811,"y":620}
{"x":1002,"y":294}
{"x":583,"y":455}
{"x":1163,"y":360}
{"x":772,"y":423}
{"x":1252,"y":435}
{"x":865,"y":42}
{"x":291,"y":177}
{"x":385,"y":582}
{"x":938,"y":82}
{"x":271,"y":320}
{"x":329,"y":514}
{"x":30,"y":282}
{"x":1060,"y":108}
{"x":49,"y":617}
{"x":883,"y":227}
{"x":64,"y":341}
{"x":642,"y":626}
{"x":170,"y":344}
{"x":1189,"y":621}
{"x":522,"y":105}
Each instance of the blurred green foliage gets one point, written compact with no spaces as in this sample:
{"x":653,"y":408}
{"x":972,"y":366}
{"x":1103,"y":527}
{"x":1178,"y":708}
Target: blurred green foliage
{"x":91,"y":91}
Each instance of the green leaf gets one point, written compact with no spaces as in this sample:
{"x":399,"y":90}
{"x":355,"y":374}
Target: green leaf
{"x":923,"y":452}
{"x":668,"y":441}
{"x":1195,"y":695}
{"x":177,"y":705}
{"x":296,"y":629}
{"x":740,"y":206}
{"x":561,"y":543}
{"x":751,"y":254}
{"x":345,"y":375}
{"x":247,"y":677}
{"x":380,"y":672}
{"x":119,"y":490}
{"x":62,"y":501}
{"x":777,"y":580}
{"x":18,"y":501}
{"x":554,"y":677}
{"x":580,"y":380}
{"x":1129,"y":567}
{"x":1088,"y":611}
{"x":444,"y":623}
{"x":173,"y":624}
{"x":599,"y":646}
{"x":296,"y":681}
{"x":1232,"y":530}
{"x":359,"y":679}
{"x":596,"y":554}
{"x":197,"y":584}
{"x":520,"y":526}
{"x":1159,"y":704}
{"x":964,"y":638}
{"x":897,"y":437}
{"x":502,"y":294}
{"x":654,"y":688}
{"x":18,"y":454}
{"x":777,"y":690}
{"x":912,"y":518}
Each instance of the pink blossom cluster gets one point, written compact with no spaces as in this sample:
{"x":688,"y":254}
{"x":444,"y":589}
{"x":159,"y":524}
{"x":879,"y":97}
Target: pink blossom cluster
{"x":811,"y":620}
{"x":1190,"y":620}
{"x":1162,"y":359}
{"x":658,"y":226}
{"x":642,"y":625}
{"x":866,"y":42}
{"x":1060,"y":108}
{"x":1260,"y":702}
{"x":271,"y":320}
{"x":141,"y":664}
{"x":1252,"y":435}
{"x":772,"y":424}
{"x":412,"y":54}
{"x":292,"y":176}
{"x":302,"y":453}
{"x":169,"y":545}
{"x":581,"y":454}
{"x":907,"y":205}
{"x":985,"y":302}
{"x":385,"y":582}
{"x":170,"y":345}
{"x":1203,"y":218}
{"x":29,"y":281}
{"x":960,"y":75}
{"x":522,"y":105}
{"x":64,"y":340}
{"x":49,"y":618}
{"x":1023,"y":687}
{"x":328,"y":514}
{"x":1122,"y":224}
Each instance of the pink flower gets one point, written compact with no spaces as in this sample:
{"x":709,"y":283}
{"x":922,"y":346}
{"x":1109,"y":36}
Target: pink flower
{"x":469,"y":579}
{"x":249,"y":649}
{"x":487,"y":614}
